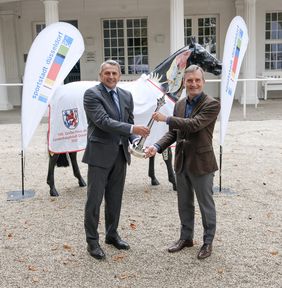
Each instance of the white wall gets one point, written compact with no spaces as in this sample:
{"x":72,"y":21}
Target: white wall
{"x":263,"y":6}
{"x":89,"y":20}
{"x":89,"y":16}
{"x":89,"y":13}
{"x":225,"y":10}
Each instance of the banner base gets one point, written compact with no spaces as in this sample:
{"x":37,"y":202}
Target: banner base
{"x":19,"y":195}
{"x":224,"y":192}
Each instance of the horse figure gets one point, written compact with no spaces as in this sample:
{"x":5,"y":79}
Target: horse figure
{"x":167,"y":77}
{"x":61,"y":160}
{"x":170,"y":74}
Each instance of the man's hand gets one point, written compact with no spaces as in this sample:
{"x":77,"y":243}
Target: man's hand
{"x":159,"y":117}
{"x":141,"y":130}
{"x":150,"y":151}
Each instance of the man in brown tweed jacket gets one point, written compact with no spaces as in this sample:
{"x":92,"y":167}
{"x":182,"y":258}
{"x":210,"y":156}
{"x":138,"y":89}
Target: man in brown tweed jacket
{"x":191,"y":127}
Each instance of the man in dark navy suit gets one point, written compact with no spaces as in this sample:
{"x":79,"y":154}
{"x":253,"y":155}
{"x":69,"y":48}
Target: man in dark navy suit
{"x":109,"y":112}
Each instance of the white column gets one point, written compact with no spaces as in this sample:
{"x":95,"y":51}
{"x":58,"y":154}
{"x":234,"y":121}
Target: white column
{"x":176,"y":25}
{"x":10,"y":46}
{"x":51,"y":16}
{"x":250,"y":68}
{"x":51,"y":11}
{"x":247,"y":9}
{"x":4,"y":101}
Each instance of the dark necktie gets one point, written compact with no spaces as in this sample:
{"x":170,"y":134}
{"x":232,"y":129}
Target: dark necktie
{"x":116,"y":100}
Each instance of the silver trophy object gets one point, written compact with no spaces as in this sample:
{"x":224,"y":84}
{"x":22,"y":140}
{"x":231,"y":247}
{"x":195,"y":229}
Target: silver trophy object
{"x":137,"y":148}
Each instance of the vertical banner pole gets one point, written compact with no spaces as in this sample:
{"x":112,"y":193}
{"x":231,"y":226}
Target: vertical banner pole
{"x":220,"y":166}
{"x":22,"y":164}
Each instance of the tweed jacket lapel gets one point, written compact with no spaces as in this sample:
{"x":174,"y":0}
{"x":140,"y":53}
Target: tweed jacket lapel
{"x":181,"y":109}
{"x":199,"y":105}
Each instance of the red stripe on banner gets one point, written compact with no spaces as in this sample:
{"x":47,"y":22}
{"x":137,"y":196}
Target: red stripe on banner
{"x":54,"y":70}
{"x":235,"y":65}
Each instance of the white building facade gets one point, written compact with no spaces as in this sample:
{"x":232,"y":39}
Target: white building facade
{"x":140,"y":34}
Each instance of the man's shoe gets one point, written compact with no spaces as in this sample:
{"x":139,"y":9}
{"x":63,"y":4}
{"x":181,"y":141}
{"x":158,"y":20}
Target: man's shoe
{"x":96,"y":251}
{"x":205,"y":251}
{"x":118,"y":243}
{"x":179,"y":245}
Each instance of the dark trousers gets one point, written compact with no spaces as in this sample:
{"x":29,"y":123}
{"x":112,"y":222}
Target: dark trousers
{"x":109,"y":183}
{"x":187,"y":183}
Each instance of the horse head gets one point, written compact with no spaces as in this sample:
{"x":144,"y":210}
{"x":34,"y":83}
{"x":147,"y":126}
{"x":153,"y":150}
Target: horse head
{"x":201,"y":57}
{"x":169,"y":73}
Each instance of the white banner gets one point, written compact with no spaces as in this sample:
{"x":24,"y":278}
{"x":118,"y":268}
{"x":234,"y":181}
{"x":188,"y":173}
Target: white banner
{"x":235,"y":46}
{"x":67,"y":120}
{"x":53,"y":53}
{"x":67,"y":126}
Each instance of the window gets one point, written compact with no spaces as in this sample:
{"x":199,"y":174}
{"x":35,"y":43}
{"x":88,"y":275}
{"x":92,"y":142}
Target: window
{"x":37,"y":28}
{"x":126,"y":41}
{"x":203,"y":29}
{"x":273,"y":41}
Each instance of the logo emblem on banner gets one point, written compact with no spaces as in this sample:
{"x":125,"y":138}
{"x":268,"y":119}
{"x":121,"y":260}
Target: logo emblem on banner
{"x":70,"y":118}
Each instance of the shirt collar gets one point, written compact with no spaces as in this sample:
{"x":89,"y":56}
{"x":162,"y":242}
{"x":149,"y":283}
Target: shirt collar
{"x":108,"y":89}
{"x":195,"y":100}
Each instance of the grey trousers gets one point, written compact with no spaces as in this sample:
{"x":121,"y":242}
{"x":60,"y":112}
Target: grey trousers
{"x":187,"y":184}
{"x":108,"y":183}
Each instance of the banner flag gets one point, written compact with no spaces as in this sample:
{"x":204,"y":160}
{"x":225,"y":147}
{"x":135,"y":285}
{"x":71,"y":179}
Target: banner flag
{"x":67,"y":131}
{"x":235,"y":46}
{"x":53,"y":53}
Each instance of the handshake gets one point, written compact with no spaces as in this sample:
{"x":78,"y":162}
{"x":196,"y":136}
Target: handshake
{"x":136,"y":148}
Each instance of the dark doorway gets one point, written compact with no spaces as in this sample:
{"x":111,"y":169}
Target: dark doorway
{"x":74,"y":74}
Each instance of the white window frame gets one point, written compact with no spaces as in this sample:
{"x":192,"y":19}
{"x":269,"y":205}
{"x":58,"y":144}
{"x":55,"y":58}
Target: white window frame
{"x":138,"y":66}
{"x":34,"y":28}
{"x":195,"y":30}
{"x":271,"y":43}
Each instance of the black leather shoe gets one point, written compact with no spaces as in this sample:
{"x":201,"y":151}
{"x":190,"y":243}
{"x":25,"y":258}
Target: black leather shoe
{"x":179,"y":245}
{"x":96,"y":251}
{"x":118,"y":243}
{"x":205,"y":251}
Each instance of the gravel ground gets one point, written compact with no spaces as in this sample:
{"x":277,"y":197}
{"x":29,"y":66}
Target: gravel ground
{"x":43,"y":242}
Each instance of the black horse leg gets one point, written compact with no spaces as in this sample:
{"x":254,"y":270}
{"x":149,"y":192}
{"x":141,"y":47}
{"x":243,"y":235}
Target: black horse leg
{"x":50,"y":178}
{"x":76,"y":171}
{"x":167,"y":156}
{"x":151,"y":172}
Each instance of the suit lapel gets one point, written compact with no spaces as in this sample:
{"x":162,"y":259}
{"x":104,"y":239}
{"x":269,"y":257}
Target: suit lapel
{"x":182,"y":107}
{"x":110,"y":100}
{"x":104,"y":93}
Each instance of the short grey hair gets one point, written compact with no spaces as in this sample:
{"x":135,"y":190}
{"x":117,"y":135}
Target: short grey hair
{"x":193,"y":68}
{"x":110,"y":62}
